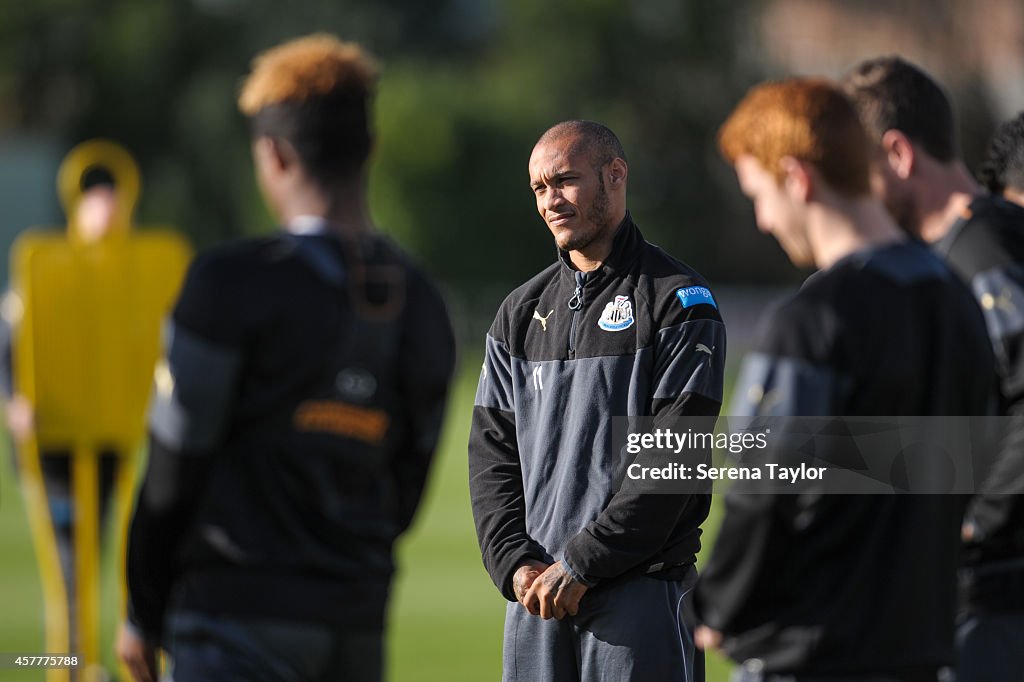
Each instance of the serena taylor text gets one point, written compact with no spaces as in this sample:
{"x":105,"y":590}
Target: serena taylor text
{"x":702,"y":472}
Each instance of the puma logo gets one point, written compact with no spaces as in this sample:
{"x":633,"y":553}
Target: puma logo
{"x":704,"y":349}
{"x":543,"y":320}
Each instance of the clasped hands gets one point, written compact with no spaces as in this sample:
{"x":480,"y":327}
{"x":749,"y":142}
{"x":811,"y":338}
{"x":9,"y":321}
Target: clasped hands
{"x":547,"y":590}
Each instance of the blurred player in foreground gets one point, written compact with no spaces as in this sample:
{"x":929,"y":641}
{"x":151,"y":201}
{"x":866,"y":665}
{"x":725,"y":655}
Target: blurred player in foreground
{"x":928,"y":189}
{"x":298,"y":410}
{"x":1002,"y":172}
{"x":818,"y":586}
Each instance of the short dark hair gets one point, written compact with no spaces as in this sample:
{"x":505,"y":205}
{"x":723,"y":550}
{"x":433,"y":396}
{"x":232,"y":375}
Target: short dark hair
{"x":1004,"y":163}
{"x":596,"y":138}
{"x":315,"y":93}
{"x":890,"y":93}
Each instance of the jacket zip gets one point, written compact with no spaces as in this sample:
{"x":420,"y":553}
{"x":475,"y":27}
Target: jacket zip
{"x":575,"y":305}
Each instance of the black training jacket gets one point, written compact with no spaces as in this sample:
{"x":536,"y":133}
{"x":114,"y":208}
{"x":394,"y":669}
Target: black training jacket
{"x":568,"y":351}
{"x":986,"y":248}
{"x":827,"y":584}
{"x":291,"y":430}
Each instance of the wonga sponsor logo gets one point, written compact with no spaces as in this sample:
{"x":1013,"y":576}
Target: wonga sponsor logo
{"x":691,"y":296}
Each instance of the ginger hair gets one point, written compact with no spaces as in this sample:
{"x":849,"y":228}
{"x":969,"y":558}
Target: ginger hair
{"x":809,"y":119}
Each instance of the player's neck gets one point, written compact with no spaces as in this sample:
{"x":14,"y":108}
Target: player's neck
{"x":342,"y":207}
{"x":593,"y":255}
{"x":947,"y":194}
{"x":846,"y":226}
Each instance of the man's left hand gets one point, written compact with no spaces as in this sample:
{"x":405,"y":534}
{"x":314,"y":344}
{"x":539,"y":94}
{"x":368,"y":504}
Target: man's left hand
{"x":707,"y":639}
{"x":554,"y":594}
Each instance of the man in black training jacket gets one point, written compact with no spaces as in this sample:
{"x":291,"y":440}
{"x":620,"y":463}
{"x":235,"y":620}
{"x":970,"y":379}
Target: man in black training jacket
{"x":817,"y":586}
{"x":614,"y":327}
{"x":929,"y":191}
{"x":297,"y":412}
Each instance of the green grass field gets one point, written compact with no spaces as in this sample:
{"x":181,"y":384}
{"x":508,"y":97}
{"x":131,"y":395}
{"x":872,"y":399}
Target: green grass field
{"x":446,"y":616}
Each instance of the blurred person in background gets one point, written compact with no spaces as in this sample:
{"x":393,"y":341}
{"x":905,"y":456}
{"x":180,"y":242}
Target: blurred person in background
{"x":595,"y":577}
{"x":1002,"y":171}
{"x":297,"y":412}
{"x":816,"y":586}
{"x":918,"y":171}
{"x":92,"y":221}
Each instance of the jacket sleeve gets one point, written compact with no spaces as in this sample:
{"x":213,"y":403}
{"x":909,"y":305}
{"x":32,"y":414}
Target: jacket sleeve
{"x":428,"y":361}
{"x":740,"y":561}
{"x":495,"y":473}
{"x":689,"y":361}
{"x":749,"y":539}
{"x":997,"y":509}
{"x":194,"y":389}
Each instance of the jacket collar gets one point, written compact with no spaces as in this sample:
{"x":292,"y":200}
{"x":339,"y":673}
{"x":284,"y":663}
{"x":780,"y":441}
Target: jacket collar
{"x":626,"y":246}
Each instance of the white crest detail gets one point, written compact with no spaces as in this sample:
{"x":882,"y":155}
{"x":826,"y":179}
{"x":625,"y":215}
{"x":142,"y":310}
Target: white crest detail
{"x":617,"y":315}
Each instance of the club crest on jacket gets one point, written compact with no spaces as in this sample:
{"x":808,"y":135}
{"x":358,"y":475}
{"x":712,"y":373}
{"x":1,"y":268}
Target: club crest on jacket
{"x":617,"y":315}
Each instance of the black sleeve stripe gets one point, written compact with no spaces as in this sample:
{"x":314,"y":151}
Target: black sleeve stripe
{"x":689,"y":358}
{"x":193,"y":392}
{"x":780,"y":386}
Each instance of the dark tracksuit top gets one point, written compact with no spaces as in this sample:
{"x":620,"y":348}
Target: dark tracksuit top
{"x":986,"y":248}
{"x":567,"y":352}
{"x":291,"y":432}
{"x":852,"y":584}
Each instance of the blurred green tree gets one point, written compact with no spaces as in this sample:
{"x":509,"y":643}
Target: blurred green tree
{"x":468,"y":86}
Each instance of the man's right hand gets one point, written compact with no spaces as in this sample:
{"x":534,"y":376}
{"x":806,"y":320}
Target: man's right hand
{"x":138,"y":655}
{"x":524,"y":576}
